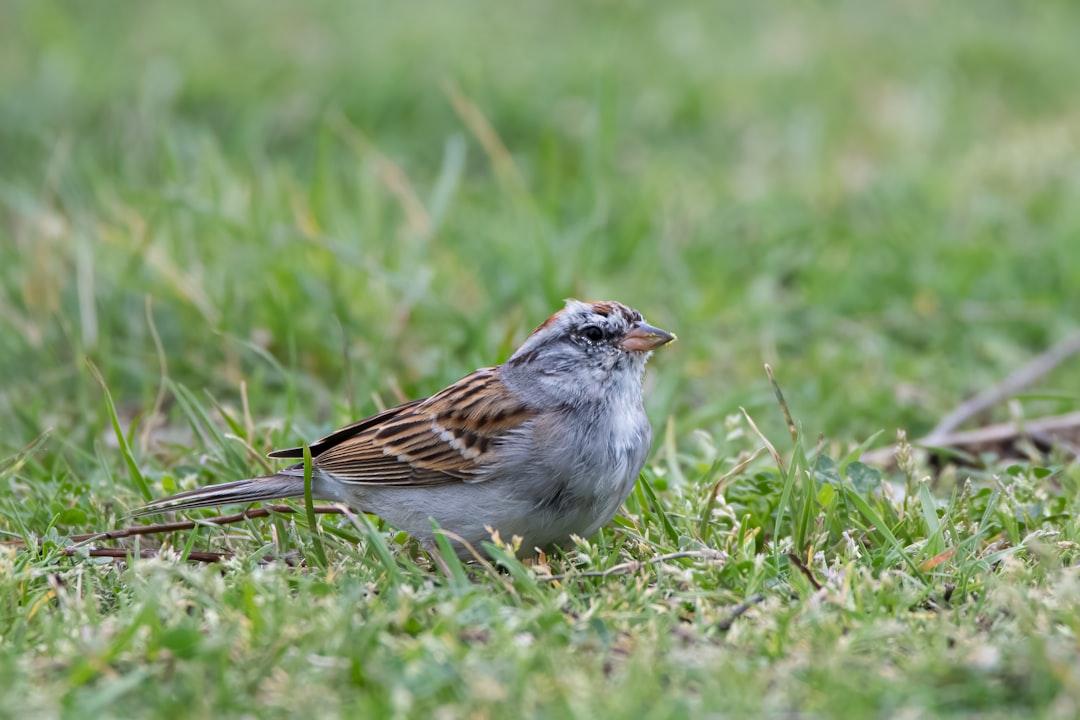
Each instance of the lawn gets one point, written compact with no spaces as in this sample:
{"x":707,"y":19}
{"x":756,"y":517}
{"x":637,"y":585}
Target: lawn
{"x":233,"y":227}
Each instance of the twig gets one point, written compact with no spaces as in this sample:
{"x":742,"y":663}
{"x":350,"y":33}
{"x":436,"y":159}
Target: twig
{"x":1046,"y":427}
{"x":124,"y":553}
{"x":1016,"y":381}
{"x":1050,"y":440}
{"x":738,"y":611}
{"x":633,"y":566}
{"x":797,"y":562}
{"x":943,"y":436}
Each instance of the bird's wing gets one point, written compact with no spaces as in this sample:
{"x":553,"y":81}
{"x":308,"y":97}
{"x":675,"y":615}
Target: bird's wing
{"x":450,"y":436}
{"x":349,"y":431}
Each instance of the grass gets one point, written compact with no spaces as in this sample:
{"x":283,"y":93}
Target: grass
{"x":231,"y":228}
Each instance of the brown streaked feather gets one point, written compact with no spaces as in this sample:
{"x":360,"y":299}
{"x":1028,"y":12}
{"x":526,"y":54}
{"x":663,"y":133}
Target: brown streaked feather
{"x":448,"y":437}
{"x":338,"y":436}
{"x":607,"y":307}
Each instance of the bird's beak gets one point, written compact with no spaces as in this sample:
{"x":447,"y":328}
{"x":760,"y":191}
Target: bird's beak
{"x":645,"y":338}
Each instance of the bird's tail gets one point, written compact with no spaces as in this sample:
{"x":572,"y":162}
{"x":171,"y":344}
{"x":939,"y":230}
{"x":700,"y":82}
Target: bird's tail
{"x":269,"y":487}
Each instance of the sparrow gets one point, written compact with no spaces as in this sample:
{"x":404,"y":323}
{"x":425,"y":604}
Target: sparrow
{"x":546,"y":446}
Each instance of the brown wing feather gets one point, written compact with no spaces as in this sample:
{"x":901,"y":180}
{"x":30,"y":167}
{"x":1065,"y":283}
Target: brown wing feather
{"x":448,"y":437}
{"x":338,"y":436}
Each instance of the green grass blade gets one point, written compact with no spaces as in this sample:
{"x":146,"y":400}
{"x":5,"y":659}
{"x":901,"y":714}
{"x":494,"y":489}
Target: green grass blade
{"x":309,"y":508}
{"x":450,"y":560}
{"x":657,"y":510}
{"x":125,"y":448}
{"x":868,"y":512}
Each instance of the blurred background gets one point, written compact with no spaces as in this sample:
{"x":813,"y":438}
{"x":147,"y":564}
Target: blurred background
{"x":338,"y":204}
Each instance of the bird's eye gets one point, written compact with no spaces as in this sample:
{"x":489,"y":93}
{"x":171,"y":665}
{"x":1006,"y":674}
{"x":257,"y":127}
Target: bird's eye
{"x":593,"y":334}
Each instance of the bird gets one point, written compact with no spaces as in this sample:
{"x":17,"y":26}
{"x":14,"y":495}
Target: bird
{"x":542,"y":448}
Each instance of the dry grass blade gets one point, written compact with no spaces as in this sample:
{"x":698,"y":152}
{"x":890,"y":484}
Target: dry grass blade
{"x":719,"y":485}
{"x":783,"y":403}
{"x":154,"y":416}
{"x":482,"y":560}
{"x":485,"y":134}
{"x":769,"y":446}
{"x":390,"y":173}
